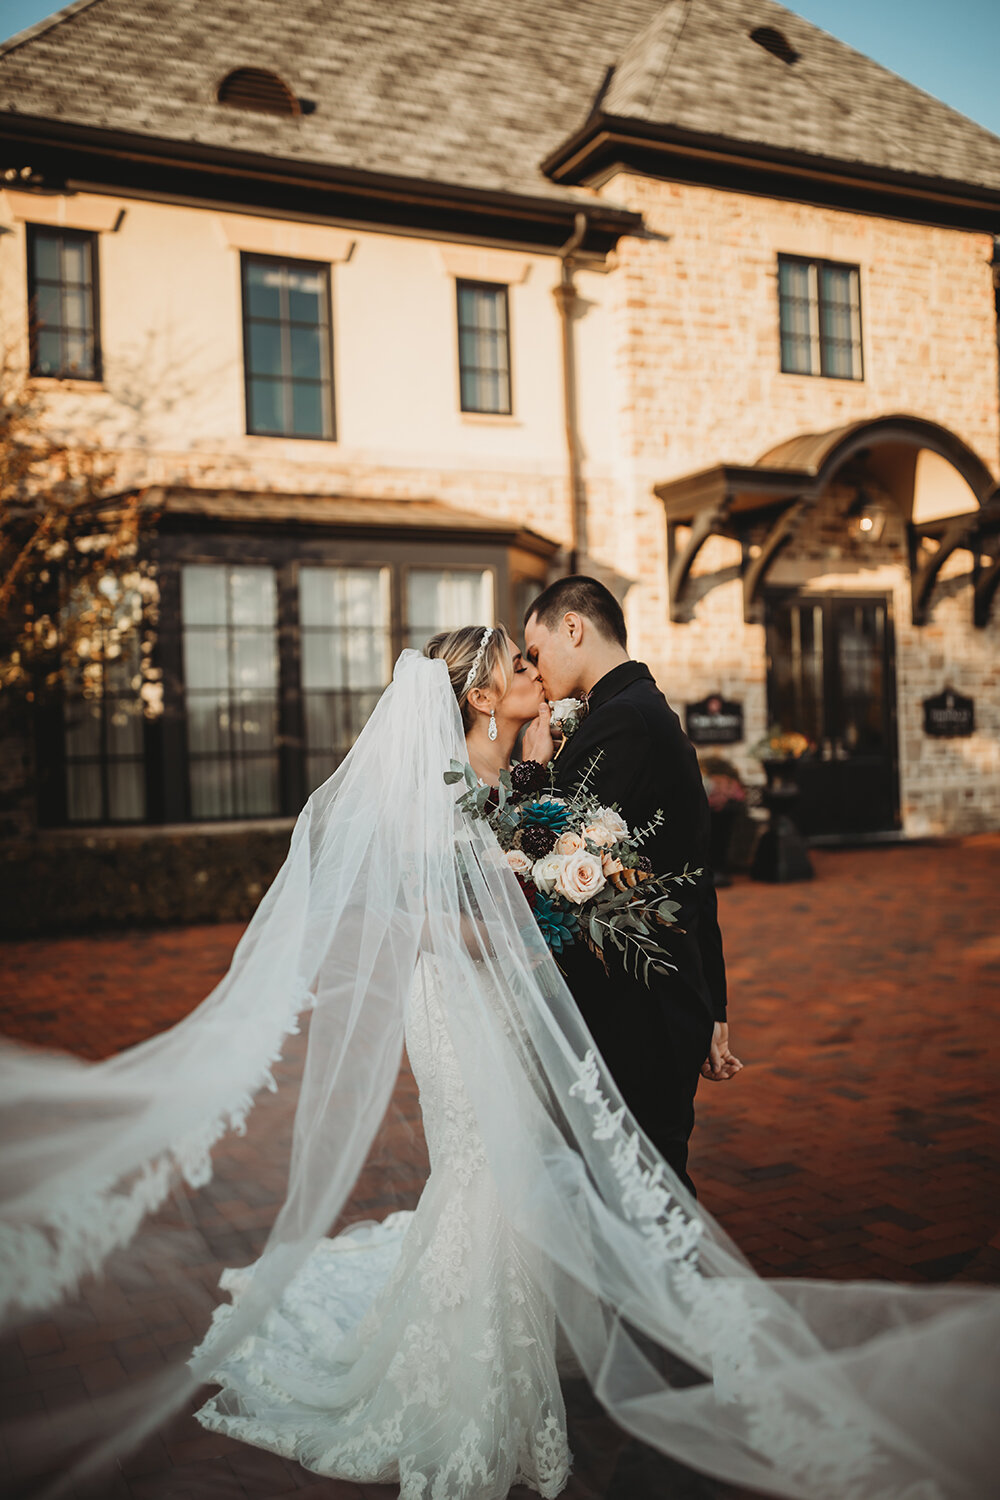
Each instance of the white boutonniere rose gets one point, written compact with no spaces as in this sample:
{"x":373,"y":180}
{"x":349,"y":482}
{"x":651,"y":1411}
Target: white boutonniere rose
{"x":580,"y":877}
{"x":566,"y":715}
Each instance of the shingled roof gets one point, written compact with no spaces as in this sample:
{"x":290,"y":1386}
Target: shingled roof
{"x":695,"y":65}
{"x":476,"y":93}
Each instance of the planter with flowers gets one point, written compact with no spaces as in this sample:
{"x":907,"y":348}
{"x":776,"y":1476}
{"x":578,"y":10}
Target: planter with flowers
{"x":781,"y":853}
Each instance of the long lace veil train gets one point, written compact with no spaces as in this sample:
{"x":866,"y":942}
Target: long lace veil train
{"x":800,"y":1389}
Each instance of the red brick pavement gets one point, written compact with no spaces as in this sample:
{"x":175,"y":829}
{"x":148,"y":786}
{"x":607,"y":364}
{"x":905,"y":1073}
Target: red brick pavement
{"x":861,"y":1140}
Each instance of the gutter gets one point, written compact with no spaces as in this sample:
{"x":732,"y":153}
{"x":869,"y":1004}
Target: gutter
{"x":566,"y":301}
{"x":548,"y":208}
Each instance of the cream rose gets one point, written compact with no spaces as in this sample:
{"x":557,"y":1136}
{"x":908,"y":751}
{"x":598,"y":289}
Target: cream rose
{"x":545,"y":872}
{"x":518,"y":861}
{"x":613,"y":822}
{"x":580,"y":877}
{"x":568,"y":843}
{"x":610,"y":865}
{"x":598,"y":833}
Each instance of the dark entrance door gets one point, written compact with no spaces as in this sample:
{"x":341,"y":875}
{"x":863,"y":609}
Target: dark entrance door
{"x":830,"y":675}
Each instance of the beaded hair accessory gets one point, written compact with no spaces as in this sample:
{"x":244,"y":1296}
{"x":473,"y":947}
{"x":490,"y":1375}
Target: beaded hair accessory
{"x":478,"y":660}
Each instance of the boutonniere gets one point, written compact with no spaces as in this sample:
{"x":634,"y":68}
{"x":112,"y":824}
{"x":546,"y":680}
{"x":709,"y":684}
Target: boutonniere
{"x":567,"y":715}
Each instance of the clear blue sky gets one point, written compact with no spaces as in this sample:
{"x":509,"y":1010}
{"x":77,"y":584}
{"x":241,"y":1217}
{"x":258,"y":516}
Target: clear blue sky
{"x":951,"y":48}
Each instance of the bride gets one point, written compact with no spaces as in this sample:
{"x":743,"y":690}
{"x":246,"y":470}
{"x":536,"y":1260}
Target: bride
{"x":424,"y":1350}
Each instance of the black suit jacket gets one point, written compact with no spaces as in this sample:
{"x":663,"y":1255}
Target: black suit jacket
{"x":648,"y":763}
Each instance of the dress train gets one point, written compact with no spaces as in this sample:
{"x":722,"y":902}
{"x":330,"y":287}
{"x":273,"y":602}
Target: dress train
{"x":419,"y":1351}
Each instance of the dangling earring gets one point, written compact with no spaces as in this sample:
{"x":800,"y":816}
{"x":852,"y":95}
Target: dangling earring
{"x":492,"y":731}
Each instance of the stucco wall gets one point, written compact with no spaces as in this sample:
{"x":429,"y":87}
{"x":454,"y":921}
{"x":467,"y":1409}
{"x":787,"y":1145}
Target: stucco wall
{"x":172,"y":400}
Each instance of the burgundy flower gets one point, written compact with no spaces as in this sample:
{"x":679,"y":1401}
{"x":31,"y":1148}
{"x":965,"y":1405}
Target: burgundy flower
{"x":537,"y":840}
{"x":527,"y":777}
{"x":530,"y":890}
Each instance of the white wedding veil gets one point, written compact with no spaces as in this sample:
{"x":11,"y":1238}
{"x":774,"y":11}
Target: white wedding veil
{"x":802,"y":1389}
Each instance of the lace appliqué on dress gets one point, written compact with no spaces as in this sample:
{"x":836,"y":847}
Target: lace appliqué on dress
{"x":443,"y":1377}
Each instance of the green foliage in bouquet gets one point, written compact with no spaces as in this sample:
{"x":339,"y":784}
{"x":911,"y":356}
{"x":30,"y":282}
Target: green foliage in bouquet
{"x":598,"y":888}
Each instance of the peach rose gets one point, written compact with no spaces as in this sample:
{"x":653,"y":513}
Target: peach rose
{"x":518,"y":861}
{"x":613,"y":822}
{"x":568,"y":843}
{"x":598,"y":833}
{"x":610,"y":865}
{"x":580,"y":877}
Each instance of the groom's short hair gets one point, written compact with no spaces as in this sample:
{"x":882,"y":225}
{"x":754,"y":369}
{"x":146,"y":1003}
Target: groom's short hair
{"x":583,"y":596}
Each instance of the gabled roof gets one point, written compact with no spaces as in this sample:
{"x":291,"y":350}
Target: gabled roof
{"x":480,"y":94}
{"x":695,"y":65}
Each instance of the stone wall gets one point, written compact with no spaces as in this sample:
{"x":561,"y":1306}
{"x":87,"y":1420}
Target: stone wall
{"x":698,"y":381}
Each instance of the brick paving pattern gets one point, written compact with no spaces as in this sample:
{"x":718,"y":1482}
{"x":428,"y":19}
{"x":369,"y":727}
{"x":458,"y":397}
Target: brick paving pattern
{"x":861,"y":1140}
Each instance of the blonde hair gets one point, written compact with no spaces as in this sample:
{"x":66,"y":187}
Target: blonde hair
{"x":459,"y":648}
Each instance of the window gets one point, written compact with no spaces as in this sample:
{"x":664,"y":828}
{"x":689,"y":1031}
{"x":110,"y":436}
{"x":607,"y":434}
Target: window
{"x":63,"y":303}
{"x":229,"y":617}
{"x":820,"y":316}
{"x":103,"y":732}
{"x":445,"y":598}
{"x":287,"y":348}
{"x":484,"y":347}
{"x":346,"y":658}
{"x":274,"y":649}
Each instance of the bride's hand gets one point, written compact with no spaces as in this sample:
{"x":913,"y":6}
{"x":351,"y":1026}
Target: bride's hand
{"x":537,"y":743}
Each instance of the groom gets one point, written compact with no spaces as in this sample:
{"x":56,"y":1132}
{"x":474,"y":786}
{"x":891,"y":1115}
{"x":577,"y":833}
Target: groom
{"x":656,"y":1041}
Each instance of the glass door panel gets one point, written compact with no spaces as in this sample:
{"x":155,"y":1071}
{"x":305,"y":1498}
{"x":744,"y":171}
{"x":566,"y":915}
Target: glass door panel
{"x":829,"y":677}
{"x":231,"y":689}
{"x":446,"y":598}
{"x":346,"y":658}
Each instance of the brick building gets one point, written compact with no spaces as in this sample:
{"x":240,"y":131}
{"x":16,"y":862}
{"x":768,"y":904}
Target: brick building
{"x":395,"y":315}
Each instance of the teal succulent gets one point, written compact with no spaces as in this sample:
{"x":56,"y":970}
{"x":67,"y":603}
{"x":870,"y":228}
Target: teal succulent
{"x":558,"y":926}
{"x":546,"y":812}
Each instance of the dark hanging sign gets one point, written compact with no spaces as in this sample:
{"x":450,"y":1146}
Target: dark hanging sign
{"x":714,"y":721}
{"x":949,"y":715}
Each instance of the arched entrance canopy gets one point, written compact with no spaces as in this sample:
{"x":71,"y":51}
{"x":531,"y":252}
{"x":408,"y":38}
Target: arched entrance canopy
{"x":783,"y":486}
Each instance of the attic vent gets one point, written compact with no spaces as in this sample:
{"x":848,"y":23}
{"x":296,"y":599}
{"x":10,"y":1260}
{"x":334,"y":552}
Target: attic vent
{"x":776,"y":43}
{"x":259,"y":89}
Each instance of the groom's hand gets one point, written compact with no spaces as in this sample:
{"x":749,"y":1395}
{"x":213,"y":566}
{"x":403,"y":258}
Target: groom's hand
{"x":720,"y":1063}
{"x":537,"y":742}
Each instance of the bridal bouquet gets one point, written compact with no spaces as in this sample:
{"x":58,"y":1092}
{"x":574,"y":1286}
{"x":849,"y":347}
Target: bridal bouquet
{"x":579,"y":864}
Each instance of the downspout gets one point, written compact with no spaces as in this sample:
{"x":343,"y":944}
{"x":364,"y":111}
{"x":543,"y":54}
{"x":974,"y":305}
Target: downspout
{"x":566,"y":301}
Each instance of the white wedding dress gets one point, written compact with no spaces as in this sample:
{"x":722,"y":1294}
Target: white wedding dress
{"x":418,"y":1351}
{"x":423,"y":1351}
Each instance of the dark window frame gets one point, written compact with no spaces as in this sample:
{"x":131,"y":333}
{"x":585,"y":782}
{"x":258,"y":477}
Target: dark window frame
{"x":820,"y":264}
{"x":177,"y":544}
{"x":86,"y":236}
{"x":247,"y":258}
{"x":463,"y":283}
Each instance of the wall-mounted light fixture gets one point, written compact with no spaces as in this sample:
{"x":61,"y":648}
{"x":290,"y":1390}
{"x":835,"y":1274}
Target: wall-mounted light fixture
{"x":866,"y":518}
